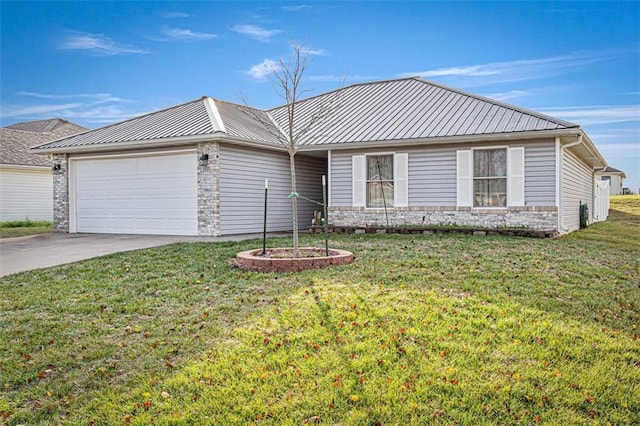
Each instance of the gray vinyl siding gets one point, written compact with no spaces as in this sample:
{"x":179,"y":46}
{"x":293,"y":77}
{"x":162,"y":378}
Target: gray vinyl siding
{"x":540,"y":174}
{"x":432,"y":177}
{"x":577,"y":187}
{"x":242,"y":175}
{"x":432,"y":174}
{"x":340,"y":185}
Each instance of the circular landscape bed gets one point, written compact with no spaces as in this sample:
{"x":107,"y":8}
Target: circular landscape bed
{"x":282,"y":260}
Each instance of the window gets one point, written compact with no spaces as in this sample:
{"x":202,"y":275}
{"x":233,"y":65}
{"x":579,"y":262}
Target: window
{"x":380,"y":180}
{"x":490,"y":178}
{"x":380,"y":188}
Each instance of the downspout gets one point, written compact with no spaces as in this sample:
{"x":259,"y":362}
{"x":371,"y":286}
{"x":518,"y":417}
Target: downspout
{"x":562,"y":149}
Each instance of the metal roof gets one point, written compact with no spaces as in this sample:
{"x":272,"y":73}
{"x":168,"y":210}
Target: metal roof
{"x":248,"y":123}
{"x":186,"y":119}
{"x":383,"y":111}
{"x":204,"y":116}
{"x":409,"y":108}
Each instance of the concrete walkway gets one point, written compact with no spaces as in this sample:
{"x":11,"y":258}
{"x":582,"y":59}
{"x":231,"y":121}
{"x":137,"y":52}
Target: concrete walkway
{"x":42,"y":251}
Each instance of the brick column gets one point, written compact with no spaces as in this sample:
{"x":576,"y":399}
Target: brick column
{"x":60,"y":193}
{"x":208,"y":190}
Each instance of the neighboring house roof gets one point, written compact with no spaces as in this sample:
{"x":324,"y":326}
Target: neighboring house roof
{"x":43,"y":126}
{"x":611,"y":171}
{"x":409,"y":110}
{"x":16,"y":140}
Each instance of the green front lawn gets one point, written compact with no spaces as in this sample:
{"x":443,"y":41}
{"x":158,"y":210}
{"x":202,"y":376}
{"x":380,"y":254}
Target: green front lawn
{"x":444,"y":329}
{"x":21,"y":228}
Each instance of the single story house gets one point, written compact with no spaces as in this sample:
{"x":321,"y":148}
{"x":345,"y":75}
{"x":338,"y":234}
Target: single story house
{"x":615,"y":178}
{"x":409,"y":150}
{"x":26,"y":185}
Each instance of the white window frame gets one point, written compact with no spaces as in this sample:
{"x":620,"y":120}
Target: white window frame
{"x":516,"y":164}
{"x":366,"y":178}
{"x":400,"y":182}
{"x":473,"y":176}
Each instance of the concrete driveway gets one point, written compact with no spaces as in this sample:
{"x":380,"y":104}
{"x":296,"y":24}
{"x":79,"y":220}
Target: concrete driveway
{"x":45,"y":250}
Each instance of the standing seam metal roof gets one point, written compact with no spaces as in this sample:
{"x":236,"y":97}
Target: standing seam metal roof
{"x":413,"y":108}
{"x":391,"y":110}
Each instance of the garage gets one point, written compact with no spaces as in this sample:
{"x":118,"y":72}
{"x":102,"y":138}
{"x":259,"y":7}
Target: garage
{"x":134,"y":194}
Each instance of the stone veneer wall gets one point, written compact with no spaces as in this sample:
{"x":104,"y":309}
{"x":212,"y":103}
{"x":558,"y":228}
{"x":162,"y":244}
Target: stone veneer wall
{"x":208,"y":193}
{"x":537,"y":218}
{"x":61,"y":194}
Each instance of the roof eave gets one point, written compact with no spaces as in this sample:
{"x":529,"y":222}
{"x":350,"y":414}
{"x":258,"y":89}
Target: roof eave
{"x":156,"y":143}
{"x":598,"y":159}
{"x":445,"y":140}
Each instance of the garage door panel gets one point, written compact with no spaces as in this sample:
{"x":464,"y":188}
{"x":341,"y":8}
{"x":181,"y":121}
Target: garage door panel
{"x":141,"y":195}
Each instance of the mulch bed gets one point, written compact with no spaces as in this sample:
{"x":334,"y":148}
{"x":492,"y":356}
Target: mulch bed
{"x":430,"y":230}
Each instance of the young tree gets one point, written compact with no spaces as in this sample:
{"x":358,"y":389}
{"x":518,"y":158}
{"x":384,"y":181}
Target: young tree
{"x":286,"y":76}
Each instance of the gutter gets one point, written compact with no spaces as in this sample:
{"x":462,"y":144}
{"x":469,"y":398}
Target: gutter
{"x":563,"y":148}
{"x":442,"y":140}
{"x":158,"y":143}
{"x":560,"y":215}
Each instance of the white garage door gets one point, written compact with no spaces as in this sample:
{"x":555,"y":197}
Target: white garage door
{"x":152,"y":194}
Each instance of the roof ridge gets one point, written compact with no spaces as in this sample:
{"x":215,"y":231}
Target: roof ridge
{"x":364,"y":83}
{"x":214,"y":115}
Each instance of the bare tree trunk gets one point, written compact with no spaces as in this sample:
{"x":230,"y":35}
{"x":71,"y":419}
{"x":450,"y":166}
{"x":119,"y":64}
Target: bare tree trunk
{"x":294,"y":201}
{"x":286,"y":77}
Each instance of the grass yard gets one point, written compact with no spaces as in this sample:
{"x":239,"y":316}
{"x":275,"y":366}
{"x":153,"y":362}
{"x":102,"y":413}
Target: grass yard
{"x":445,"y":329}
{"x":21,"y":228}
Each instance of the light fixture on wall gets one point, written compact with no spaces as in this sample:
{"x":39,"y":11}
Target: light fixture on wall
{"x":204,"y":160}
{"x":56,"y":168}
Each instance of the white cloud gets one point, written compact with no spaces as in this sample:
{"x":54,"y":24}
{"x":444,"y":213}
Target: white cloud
{"x":596,"y":115}
{"x":86,"y":107}
{"x":255,"y":32}
{"x":469,"y":71}
{"x":296,"y":8}
{"x":620,"y":147}
{"x":96,"y":97}
{"x":517,"y":70}
{"x":30,"y":111}
{"x":330,"y":78}
{"x":262,"y":70}
{"x":314,"y":52}
{"x":98,"y":44}
{"x":170,"y":15}
{"x":512,"y":94}
{"x":185,"y":34}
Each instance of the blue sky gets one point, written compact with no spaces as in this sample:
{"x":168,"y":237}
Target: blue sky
{"x":96,"y":63}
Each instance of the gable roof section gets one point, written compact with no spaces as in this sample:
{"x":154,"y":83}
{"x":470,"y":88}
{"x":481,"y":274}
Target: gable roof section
{"x":384,"y":111}
{"x":247,"y":123}
{"x":42,"y":126}
{"x":201,"y":117}
{"x":17,"y":139}
{"x":611,"y":171}
{"x":410,"y":108}
{"x":186,"y":119}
